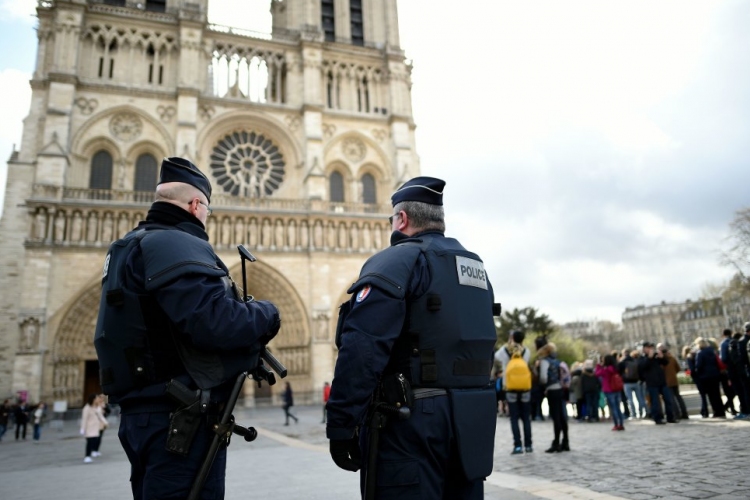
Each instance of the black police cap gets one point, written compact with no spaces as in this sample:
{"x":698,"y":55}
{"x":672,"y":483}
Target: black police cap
{"x":176,"y":169}
{"x":424,"y":189}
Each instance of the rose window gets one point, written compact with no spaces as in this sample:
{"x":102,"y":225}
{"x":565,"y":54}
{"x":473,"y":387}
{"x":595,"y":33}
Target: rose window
{"x":247,"y":164}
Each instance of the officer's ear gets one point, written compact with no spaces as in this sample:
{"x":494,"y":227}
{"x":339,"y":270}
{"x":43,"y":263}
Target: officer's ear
{"x":403,"y":220}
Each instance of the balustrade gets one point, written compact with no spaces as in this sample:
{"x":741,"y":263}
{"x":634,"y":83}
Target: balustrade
{"x":94,"y":218}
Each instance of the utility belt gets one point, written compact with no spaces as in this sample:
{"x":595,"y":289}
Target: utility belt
{"x":428,"y":392}
{"x":395,"y":390}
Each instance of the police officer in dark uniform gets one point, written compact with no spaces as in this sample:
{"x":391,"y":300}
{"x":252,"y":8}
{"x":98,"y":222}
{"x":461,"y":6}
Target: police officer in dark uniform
{"x":170,"y":316}
{"x":417,"y":332}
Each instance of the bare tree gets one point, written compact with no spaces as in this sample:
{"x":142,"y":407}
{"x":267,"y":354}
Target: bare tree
{"x":737,"y":254}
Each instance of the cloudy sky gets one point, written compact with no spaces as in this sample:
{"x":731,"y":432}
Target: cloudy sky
{"x":594,"y":152}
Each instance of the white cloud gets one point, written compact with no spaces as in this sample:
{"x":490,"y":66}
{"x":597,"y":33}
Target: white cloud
{"x":18,"y":10}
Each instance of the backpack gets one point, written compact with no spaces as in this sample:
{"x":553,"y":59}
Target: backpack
{"x":564,"y":375}
{"x":631,"y":370}
{"x":553,"y":372}
{"x":615,"y":382}
{"x":735,"y":356}
{"x":517,"y":375}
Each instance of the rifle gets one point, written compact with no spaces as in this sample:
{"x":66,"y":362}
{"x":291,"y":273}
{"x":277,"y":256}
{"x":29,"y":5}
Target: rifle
{"x":226,"y":426}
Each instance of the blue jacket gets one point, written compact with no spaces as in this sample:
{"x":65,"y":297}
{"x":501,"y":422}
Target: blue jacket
{"x":706,"y":367}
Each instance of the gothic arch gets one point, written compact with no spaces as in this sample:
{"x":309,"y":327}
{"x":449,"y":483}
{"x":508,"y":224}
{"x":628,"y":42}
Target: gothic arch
{"x":82,"y":134}
{"x":73,"y":345}
{"x":97,"y":131}
{"x":374,"y":156}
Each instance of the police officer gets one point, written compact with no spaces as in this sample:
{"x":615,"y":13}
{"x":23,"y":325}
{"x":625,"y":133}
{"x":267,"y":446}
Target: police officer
{"x":170,"y":313}
{"x":418,"y":331}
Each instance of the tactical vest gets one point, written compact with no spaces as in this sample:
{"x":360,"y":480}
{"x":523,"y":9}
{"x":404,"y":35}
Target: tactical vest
{"x":134,"y":340}
{"x":448,"y":338}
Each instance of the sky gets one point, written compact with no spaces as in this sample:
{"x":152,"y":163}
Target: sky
{"x":594,"y":152}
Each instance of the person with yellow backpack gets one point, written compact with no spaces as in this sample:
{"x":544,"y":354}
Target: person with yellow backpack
{"x":514,"y":359}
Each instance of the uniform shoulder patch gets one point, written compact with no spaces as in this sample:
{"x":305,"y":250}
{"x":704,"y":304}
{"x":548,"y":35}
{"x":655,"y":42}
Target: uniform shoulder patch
{"x":471,"y":272}
{"x":363,"y":293}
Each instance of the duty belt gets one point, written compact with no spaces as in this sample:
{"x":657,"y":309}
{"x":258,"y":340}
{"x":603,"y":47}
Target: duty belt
{"x":427,"y":392}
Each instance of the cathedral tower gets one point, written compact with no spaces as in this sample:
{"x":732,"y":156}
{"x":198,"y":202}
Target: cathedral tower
{"x":304,"y":132}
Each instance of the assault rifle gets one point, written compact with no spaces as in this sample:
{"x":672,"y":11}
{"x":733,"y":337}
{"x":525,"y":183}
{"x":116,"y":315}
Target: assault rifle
{"x":226,"y":426}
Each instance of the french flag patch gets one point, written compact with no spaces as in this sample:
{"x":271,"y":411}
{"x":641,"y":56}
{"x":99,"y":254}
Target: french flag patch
{"x":362,"y":294}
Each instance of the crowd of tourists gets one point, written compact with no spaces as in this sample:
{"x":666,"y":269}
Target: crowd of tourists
{"x":638,"y":383}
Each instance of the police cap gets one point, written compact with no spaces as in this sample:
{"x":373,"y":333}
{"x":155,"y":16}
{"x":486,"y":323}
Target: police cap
{"x":424,"y":189}
{"x":176,"y":169}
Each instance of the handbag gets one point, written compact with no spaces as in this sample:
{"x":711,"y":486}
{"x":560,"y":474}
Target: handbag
{"x":615,"y":382}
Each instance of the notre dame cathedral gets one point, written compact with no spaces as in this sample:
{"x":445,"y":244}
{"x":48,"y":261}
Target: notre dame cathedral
{"x":304,"y":132}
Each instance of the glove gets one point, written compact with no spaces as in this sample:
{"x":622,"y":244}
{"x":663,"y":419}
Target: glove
{"x":346,"y":454}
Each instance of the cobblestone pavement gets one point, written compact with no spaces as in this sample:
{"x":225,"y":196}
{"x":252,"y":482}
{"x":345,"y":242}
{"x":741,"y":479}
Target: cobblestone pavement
{"x":695,"y":459}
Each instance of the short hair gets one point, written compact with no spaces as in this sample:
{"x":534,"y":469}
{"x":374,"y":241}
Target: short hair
{"x":177,"y":191}
{"x":727,"y":332}
{"x":423,"y":216}
{"x":609,"y":360}
{"x":518,"y":336}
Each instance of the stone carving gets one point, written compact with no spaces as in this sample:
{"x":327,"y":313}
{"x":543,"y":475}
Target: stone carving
{"x":206,"y":112}
{"x":322,"y":320}
{"x":329,"y":130}
{"x":247,"y":164}
{"x":29,"y":340}
{"x":379,"y":134}
{"x":87,"y":106}
{"x":292,"y":122}
{"x":166,"y":113}
{"x":126,"y":126}
{"x":354,"y":149}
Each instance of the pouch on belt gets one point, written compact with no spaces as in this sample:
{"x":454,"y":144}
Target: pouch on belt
{"x":474,"y":419}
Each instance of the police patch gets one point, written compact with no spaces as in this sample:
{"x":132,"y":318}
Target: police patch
{"x":362,"y":294}
{"x":471,"y":272}
{"x":106,"y":266}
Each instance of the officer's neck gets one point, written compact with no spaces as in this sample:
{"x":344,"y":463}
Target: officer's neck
{"x":169,"y":214}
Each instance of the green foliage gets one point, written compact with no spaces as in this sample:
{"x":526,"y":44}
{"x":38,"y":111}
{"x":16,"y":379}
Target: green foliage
{"x":527,"y":319}
{"x":569,"y":349}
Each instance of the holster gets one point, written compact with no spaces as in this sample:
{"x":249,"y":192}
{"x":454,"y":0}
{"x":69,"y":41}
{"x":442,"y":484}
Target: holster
{"x":396,"y":391}
{"x":183,"y":424}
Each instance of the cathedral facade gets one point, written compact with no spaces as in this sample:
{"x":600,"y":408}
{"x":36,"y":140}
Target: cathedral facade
{"x":304,"y":133}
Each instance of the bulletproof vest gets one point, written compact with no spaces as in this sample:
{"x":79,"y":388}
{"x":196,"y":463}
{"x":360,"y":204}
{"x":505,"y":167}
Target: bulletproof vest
{"x":134,"y":340}
{"x":448,"y":338}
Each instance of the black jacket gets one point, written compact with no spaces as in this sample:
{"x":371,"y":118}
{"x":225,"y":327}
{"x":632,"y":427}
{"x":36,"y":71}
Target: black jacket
{"x":651,"y":371}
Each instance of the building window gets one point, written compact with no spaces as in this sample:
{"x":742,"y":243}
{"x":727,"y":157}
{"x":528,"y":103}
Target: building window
{"x":144,"y":183}
{"x":101,"y":171}
{"x":247,"y":164}
{"x":355,"y":14}
{"x":369,"y":193}
{"x":363,"y":95}
{"x":155,"y":67}
{"x":336,"y":187}
{"x":107,"y":60}
{"x":328,"y":20}
{"x":156,"y":5}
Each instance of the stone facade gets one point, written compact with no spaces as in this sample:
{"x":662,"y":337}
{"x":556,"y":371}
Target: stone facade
{"x":654,"y":323}
{"x":679,"y":324}
{"x":272,"y":119}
